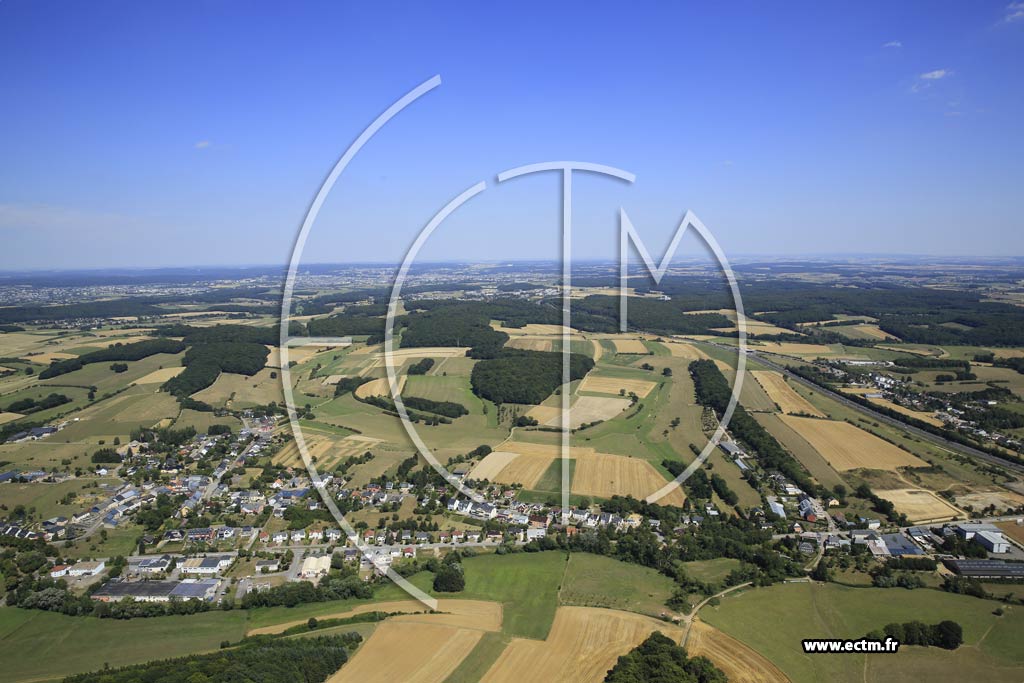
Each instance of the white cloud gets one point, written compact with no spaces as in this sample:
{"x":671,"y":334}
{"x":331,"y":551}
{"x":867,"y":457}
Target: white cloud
{"x":1014,"y":12}
{"x":202,"y":144}
{"x":893,"y":43}
{"x":925,"y":80}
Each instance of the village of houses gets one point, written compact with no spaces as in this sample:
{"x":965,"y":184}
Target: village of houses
{"x":223,"y":560}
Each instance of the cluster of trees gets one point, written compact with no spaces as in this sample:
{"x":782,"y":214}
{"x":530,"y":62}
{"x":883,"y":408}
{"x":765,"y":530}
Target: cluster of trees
{"x":117,"y":352}
{"x":163,"y":439}
{"x":106,"y":455}
{"x":450,"y":576}
{"x":731,"y":537}
{"x":389,"y":407}
{"x":349,"y":384}
{"x":713,"y":390}
{"x":260,"y":660}
{"x":455,"y":324}
{"x":300,"y":517}
{"x":352,"y":323}
{"x":445,"y":408}
{"x":32,"y":405}
{"x":659,"y":659}
{"x":204,"y":363}
{"x":946,"y":634}
{"x":652,"y":315}
{"x":332,"y":587}
{"x":421,"y":367}
{"x":518,"y":376}
{"x":152,"y":517}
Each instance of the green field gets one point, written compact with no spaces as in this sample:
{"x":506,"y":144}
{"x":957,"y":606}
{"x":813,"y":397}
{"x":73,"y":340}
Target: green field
{"x":525,"y":583}
{"x":598,"y":581}
{"x":42,"y":646}
{"x":46,"y":498}
{"x":774,"y":620}
{"x":119,"y":415}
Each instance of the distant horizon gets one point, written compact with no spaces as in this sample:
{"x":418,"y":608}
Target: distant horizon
{"x":824,"y":258}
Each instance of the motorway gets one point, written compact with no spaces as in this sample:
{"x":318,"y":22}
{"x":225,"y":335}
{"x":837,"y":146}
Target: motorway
{"x":839,"y":398}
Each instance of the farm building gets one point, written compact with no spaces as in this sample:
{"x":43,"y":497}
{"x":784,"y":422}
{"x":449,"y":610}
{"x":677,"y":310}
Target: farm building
{"x":210,"y":565}
{"x":899,"y":545}
{"x":142,"y":591}
{"x":198,"y":589}
{"x":967,"y":530}
{"x":992,"y":541}
{"x":987,"y":569}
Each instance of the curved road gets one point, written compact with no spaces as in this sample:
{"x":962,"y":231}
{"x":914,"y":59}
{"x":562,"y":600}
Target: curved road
{"x":927,"y":436}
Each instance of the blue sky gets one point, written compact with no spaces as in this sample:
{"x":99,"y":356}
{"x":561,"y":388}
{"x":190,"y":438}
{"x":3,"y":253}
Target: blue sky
{"x":197,"y":133}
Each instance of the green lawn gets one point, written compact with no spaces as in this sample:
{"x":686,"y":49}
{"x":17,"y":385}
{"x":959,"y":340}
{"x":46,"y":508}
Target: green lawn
{"x":120,"y":541}
{"x":774,"y":620}
{"x":598,"y":581}
{"x":711,"y":571}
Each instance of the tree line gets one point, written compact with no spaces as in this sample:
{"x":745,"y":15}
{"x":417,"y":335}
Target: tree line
{"x":712,"y":389}
{"x":118,"y":352}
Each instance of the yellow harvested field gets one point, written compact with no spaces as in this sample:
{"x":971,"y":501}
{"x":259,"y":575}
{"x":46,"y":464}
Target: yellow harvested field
{"x":546,"y":415}
{"x":1008,"y":353}
{"x":846,"y":447}
{"x":332,"y":379}
{"x":603,"y":384}
{"x":785,"y":396}
{"x":48,"y":357}
{"x":592,"y":408}
{"x":740,"y":663}
{"x":585,"y":409}
{"x":425,"y":352}
{"x":160,"y":376}
{"x":481,"y":615}
{"x":379,"y":387}
{"x":327,"y":451}
{"x":525,"y":470}
{"x":794,"y":349}
{"x":872,"y":331}
{"x":630,"y":346}
{"x":535,"y":329}
{"x":531,"y":462}
{"x":492,"y":465}
{"x":583,"y":644}
{"x":920,"y":505}
{"x":756,"y":327}
{"x":606,"y":475}
{"x":297,"y":354}
{"x":409,"y":652}
{"x":530,"y":343}
{"x":598,"y":349}
{"x":687,"y":351}
{"x":9,"y":417}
